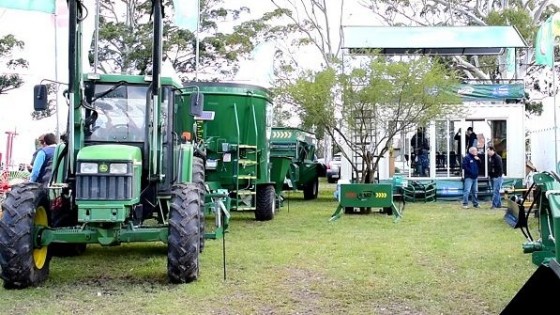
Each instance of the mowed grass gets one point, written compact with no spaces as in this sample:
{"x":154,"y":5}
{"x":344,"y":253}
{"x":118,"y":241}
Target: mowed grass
{"x":439,"y":259}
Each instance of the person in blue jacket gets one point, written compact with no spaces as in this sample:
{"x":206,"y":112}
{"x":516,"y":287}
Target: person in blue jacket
{"x":470,"y":165}
{"x":43,"y":159}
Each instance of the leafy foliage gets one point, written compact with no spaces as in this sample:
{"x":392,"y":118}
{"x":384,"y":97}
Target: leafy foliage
{"x":125,"y":40}
{"x":380,"y":98}
{"x":9,"y":44}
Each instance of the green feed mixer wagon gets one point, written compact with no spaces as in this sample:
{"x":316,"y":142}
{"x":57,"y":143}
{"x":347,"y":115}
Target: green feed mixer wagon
{"x":292,"y":154}
{"x":122,"y":174}
{"x":235,"y":127}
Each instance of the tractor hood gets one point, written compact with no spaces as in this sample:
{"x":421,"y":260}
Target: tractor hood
{"x":113,"y":152}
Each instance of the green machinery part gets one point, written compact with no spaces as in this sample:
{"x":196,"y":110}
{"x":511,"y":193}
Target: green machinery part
{"x":538,"y":295}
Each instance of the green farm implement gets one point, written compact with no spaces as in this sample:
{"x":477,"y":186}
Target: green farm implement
{"x":235,"y":127}
{"x":364,"y":197}
{"x":294,"y":166}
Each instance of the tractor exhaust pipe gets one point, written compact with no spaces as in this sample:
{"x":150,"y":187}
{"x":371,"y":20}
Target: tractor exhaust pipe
{"x":156,"y":84}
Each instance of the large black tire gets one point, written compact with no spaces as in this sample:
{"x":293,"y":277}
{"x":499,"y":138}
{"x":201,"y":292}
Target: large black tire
{"x":63,"y":216}
{"x":184,"y":234}
{"x":23,"y":265}
{"x":266,"y":203}
{"x":198,"y":179}
{"x":311,"y":190}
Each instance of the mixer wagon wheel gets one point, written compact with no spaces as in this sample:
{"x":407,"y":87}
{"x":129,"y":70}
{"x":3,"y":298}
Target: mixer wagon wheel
{"x":266,"y":198}
{"x":184,"y":234}
{"x":25,"y":210}
{"x":198,"y":179}
{"x":311,"y":190}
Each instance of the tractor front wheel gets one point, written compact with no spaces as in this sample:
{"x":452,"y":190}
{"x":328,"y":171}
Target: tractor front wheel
{"x":266,"y":203}
{"x":184,"y":234}
{"x":25,"y":209}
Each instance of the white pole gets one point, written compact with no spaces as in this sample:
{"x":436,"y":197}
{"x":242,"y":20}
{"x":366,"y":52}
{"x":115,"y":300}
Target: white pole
{"x":56,"y":76}
{"x":555,"y":121}
{"x":197,"y":54}
{"x":96,"y":38}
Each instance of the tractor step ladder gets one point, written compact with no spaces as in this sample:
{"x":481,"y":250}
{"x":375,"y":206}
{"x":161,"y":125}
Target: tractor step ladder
{"x":246,"y":163}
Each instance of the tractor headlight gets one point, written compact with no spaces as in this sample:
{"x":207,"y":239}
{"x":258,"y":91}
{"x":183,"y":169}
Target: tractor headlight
{"x":118,"y":168}
{"x":88,"y":168}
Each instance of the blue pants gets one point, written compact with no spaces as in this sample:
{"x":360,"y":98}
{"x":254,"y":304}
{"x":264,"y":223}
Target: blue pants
{"x":496,"y":187}
{"x":470,"y":187}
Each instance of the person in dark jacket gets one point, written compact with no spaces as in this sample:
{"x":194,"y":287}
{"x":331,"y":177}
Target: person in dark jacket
{"x":495,"y":172}
{"x":470,"y":139}
{"x":470,"y":165}
{"x":421,"y":147}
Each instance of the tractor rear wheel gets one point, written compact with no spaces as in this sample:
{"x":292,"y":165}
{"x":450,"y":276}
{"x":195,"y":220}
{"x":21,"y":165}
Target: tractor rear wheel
{"x":311,"y":190}
{"x":198,"y":179}
{"x":266,"y":203}
{"x":63,"y":216}
{"x":25,"y":209}
{"x":184,"y":234}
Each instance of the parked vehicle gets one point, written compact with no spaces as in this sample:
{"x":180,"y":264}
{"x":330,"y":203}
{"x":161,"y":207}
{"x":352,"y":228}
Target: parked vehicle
{"x":333,"y":168}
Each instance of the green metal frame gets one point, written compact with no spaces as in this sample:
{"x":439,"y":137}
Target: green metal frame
{"x":366,"y":196}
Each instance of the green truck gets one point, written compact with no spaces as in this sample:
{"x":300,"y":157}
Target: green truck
{"x":294,"y":162}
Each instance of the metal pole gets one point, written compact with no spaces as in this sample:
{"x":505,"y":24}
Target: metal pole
{"x":555,"y":121}
{"x":56,"y":76}
{"x":96,"y":38}
{"x":197,"y":54}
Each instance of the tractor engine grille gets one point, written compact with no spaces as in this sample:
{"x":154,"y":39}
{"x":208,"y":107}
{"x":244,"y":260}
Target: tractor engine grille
{"x":104,"y":187}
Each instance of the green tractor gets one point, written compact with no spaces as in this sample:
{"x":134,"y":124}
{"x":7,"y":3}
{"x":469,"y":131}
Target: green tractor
{"x":294,"y":162}
{"x":235,"y":127}
{"x":538,"y":294}
{"x":122,"y":175}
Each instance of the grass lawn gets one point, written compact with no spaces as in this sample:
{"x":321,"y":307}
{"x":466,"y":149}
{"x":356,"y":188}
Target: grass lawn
{"x":439,"y":259}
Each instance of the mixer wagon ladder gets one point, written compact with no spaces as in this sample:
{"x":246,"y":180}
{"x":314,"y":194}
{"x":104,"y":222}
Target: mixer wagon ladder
{"x":246,"y":163}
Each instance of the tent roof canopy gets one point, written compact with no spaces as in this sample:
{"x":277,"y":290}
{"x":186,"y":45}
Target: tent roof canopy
{"x":432,"y":40}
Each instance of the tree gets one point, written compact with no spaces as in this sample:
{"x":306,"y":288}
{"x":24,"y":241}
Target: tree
{"x":8,"y":46}
{"x":381,"y":98}
{"x":525,"y":15}
{"x":125,"y":40}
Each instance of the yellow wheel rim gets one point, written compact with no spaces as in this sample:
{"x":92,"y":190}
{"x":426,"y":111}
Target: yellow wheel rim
{"x":40,"y":254}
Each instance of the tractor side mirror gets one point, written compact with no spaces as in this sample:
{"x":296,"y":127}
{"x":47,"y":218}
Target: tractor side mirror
{"x":40,"y":97}
{"x":197,"y":104}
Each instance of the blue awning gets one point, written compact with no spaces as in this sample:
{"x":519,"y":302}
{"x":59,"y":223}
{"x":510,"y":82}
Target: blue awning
{"x":432,"y":40}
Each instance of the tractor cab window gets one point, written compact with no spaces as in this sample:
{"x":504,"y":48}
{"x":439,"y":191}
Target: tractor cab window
{"x":121,"y":113}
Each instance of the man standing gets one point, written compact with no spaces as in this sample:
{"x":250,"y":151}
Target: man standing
{"x":421,"y":148}
{"x":471,"y":139}
{"x":470,"y":166}
{"x":41,"y":165}
{"x":495,"y":171}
